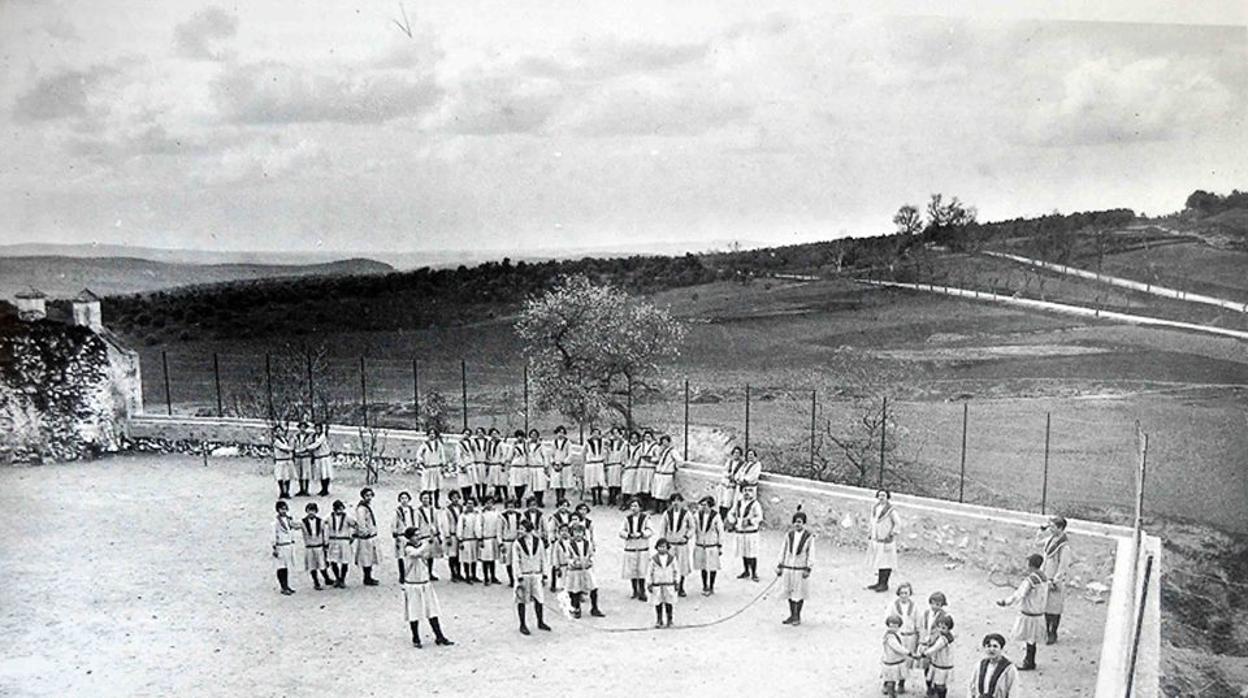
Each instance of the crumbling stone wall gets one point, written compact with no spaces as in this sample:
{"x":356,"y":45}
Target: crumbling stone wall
{"x":57,"y":400}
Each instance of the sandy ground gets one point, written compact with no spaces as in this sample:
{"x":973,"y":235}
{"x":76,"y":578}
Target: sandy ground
{"x":151,"y":575}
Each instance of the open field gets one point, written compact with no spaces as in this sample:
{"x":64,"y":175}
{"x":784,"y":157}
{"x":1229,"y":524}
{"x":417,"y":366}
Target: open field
{"x":928,"y":353}
{"x":191,"y":593}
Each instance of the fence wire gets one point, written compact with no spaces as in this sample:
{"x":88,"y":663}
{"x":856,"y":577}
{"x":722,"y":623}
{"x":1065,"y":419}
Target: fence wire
{"x":810,"y":431}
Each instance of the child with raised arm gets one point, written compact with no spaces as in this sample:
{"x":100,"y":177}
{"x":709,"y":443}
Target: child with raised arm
{"x":1031,"y":598}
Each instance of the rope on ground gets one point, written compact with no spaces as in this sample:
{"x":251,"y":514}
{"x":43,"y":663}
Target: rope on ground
{"x":690,"y":626}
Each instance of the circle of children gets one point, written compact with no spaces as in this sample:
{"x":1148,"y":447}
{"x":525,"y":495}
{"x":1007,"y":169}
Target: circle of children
{"x":482,"y":502}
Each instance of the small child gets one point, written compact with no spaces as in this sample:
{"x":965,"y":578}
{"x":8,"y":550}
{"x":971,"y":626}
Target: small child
{"x":796,"y":559}
{"x":508,"y":533}
{"x":708,"y":534}
{"x":904,"y":608}
{"x":894,"y":658}
{"x":582,"y":510}
{"x":636,"y":534}
{"x":450,"y":523}
{"x":283,"y":460}
{"x":314,"y":546}
{"x":595,"y":467}
{"x":937,"y":649}
{"x":1031,"y":598}
{"x":936,"y":604}
{"x":404,"y":518}
{"x":491,"y":535}
{"x":580,"y":576}
{"x":367,"y":552}
{"x":528,"y":554}
{"x":559,"y":556}
{"x":283,"y":546}
{"x":662,"y":582}
{"x":677,"y":530}
{"x":429,"y":521}
{"x":470,"y":534}
{"x":339,"y":551}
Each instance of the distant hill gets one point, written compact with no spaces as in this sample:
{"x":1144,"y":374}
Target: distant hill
{"x":62,"y":276}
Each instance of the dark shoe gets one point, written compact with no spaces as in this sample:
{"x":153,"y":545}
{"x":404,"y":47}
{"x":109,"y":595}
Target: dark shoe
{"x":416,"y":643}
{"x":287,"y":592}
{"x":754,"y":578}
{"x":743,"y":575}
{"x":543,"y":626}
{"x":443,"y":641}
{"x":596,"y":613}
{"x":1027,"y":666}
{"x":524,"y":630}
{"x":371,"y":582}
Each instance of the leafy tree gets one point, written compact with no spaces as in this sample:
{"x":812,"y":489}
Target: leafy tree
{"x":908,"y":220}
{"x":586,"y":344}
{"x":947,"y":222}
{"x":435,"y":412}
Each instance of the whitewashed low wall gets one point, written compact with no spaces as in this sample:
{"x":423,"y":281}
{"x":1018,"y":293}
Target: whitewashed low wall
{"x":1120,"y":282}
{"x":1065,"y":308}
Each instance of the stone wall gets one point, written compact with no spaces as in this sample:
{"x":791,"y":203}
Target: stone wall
{"x":57,"y":397}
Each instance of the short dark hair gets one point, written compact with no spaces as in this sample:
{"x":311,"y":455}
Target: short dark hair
{"x":1035,"y":560}
{"x":994,"y":637}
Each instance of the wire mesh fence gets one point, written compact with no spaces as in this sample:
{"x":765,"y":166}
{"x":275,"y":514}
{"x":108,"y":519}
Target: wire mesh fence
{"x":1070,"y":456}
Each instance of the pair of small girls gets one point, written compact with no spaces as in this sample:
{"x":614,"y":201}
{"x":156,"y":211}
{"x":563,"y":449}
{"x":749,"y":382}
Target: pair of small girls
{"x":913,"y":638}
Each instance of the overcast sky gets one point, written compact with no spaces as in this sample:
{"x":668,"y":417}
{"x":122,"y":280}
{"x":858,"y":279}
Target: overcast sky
{"x":278,"y":125}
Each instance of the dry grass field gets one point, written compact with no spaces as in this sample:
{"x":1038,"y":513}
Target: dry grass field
{"x":151,"y":576}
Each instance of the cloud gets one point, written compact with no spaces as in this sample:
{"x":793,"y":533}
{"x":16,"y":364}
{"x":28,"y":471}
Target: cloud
{"x":195,"y":38}
{"x":263,"y":160}
{"x":1111,"y":100}
{"x":58,"y":27}
{"x":500,"y":103}
{"x":62,"y":95}
{"x":645,"y":105}
{"x":273,"y":92}
{"x":612,"y":57}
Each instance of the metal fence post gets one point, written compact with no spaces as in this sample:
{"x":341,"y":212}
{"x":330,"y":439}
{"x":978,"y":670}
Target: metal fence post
{"x":416,"y":392}
{"x":686,"y":419}
{"x":268,"y":382}
{"x":814,"y":409}
{"x":962,"y":476}
{"x":883,"y":432}
{"x":463,"y":388}
{"x":164,"y":361}
{"x":526,"y":398}
{"x":629,"y":405}
{"x":747,"y":417}
{"x":307,"y":354}
{"x":363,"y":392}
{"x":216,"y":375}
{"x":1044,"y":486}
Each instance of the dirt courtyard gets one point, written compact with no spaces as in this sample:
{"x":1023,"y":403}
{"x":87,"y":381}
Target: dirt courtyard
{"x":151,"y":575}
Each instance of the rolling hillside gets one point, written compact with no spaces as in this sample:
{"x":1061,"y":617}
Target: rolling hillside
{"x":62,"y":276}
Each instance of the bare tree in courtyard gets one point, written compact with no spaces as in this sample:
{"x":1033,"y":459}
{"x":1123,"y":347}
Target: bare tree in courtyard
{"x":587,"y":343}
{"x":372,"y":449}
{"x":849,"y":451}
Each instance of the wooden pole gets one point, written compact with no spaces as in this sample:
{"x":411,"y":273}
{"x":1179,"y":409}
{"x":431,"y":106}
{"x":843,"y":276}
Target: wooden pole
{"x":526,"y":399}
{"x":1044,"y":486}
{"x":164,"y":360}
{"x":216,"y":374}
{"x":966,"y":408}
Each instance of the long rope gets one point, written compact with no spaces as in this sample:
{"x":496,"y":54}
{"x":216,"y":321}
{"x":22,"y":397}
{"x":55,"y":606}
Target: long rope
{"x":689,"y":626}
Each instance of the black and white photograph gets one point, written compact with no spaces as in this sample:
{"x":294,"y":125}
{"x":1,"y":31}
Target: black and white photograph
{"x":544,"y":348}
